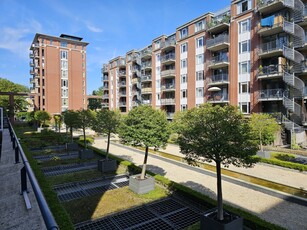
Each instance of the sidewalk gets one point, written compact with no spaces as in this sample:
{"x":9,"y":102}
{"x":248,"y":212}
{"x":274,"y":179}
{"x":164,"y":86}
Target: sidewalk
{"x":14,"y":214}
{"x":268,"y":204}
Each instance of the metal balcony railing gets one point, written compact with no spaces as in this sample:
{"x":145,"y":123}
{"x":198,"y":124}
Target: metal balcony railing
{"x":167,"y":44}
{"x":168,"y":86}
{"x":215,"y":23}
{"x":146,"y":78}
{"x":105,"y":96}
{"x":146,"y":52}
{"x":271,"y":46}
{"x":218,"y":97}
{"x":168,"y":72}
{"x":146,"y":102}
{"x":105,"y":68}
{"x":224,"y":38}
{"x":270,"y":70}
{"x":168,"y":101}
{"x":168,"y":57}
{"x":219,"y":78}
{"x":219,"y":59}
{"x":267,"y":94}
{"x":105,"y":78}
{"x":146,"y":65}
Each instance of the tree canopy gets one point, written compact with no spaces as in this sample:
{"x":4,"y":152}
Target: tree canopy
{"x":264,"y":127}
{"x":85,"y":120}
{"x":220,"y":134}
{"x":71,"y":120}
{"x":42,"y":117}
{"x":147,"y":127}
{"x":96,"y":103}
{"x":106,"y":122}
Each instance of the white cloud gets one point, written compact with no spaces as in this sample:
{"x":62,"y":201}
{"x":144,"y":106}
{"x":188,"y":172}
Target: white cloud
{"x":93,"y":28}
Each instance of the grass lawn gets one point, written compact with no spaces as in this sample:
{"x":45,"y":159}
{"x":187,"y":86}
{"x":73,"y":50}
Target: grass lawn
{"x":93,"y":207}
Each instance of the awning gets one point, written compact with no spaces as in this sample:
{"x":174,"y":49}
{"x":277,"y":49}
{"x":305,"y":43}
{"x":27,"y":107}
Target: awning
{"x":214,"y":89}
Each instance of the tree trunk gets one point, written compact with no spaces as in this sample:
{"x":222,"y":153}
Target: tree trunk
{"x":84,"y":138}
{"x":108,"y":144}
{"x":144,"y":164}
{"x":260,"y":137}
{"x":220,"y":211}
{"x":71,"y":135}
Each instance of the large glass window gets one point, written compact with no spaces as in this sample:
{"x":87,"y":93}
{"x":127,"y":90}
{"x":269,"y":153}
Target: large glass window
{"x":199,"y":75}
{"x":244,"y":26}
{"x":184,"y":47}
{"x":200,"y":25}
{"x":199,"y":59}
{"x":244,"y":46}
{"x":199,"y":42}
{"x":184,"y":32}
{"x":244,"y":67}
{"x":64,"y":54}
{"x":244,"y":87}
{"x":184,"y":63}
{"x":200,"y":92}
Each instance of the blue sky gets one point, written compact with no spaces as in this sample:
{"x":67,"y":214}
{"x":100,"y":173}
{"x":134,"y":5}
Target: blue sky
{"x":112,"y":27}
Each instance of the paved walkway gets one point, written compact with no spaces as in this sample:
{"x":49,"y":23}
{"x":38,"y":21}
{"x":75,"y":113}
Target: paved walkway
{"x":13,"y":212}
{"x":273,"y":206}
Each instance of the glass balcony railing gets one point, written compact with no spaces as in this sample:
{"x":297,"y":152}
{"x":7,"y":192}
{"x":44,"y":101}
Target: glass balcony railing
{"x":168,"y":86}
{"x":146,"y":78}
{"x":218,"y":97}
{"x":270,"y":70}
{"x":168,"y":57}
{"x":219,"y":78}
{"x":224,"y":38}
{"x":271,"y":46}
{"x":267,"y":94}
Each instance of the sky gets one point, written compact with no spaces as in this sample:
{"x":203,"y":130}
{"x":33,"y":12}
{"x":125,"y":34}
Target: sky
{"x":111,"y":27}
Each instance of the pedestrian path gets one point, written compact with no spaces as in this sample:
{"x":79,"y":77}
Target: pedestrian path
{"x":13,"y":212}
{"x":268,"y":204}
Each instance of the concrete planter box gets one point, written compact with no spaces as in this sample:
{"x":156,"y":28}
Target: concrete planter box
{"x":141,"y":186}
{"x":208,"y":222}
{"x":86,"y":154}
{"x":107,"y":165}
{"x":264,"y":154}
{"x":72,"y":146}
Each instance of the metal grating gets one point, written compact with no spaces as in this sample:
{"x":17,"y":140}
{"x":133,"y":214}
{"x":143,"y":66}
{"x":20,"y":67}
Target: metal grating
{"x":165,"y":214}
{"x":71,"y":191}
{"x":122,"y":184}
{"x":63,"y":156}
{"x":63,"y":169}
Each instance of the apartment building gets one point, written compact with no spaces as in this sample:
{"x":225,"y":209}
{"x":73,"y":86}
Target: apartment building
{"x":250,"y":54}
{"x":58,"y":69}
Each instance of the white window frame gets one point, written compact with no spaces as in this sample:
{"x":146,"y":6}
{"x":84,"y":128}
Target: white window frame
{"x":241,"y":46}
{"x":247,"y":108}
{"x":200,"y":25}
{"x":184,"y":32}
{"x":183,"y":63}
{"x":199,"y":42}
{"x":244,"y":85}
{"x":184,"y":93}
{"x":184,"y":48}
{"x":183,"y":78}
{"x":241,"y":64}
{"x":199,"y":59}
{"x":242,"y":28}
{"x":240,"y":6}
{"x":199,"y":92}
{"x":183,"y":107}
{"x":200,"y":75}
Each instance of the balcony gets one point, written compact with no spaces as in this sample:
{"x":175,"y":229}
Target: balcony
{"x":146,"y":65}
{"x":134,"y":80}
{"x":105,"y":105}
{"x":136,"y":71}
{"x":31,"y":55}
{"x":219,"y":61}
{"x":135,"y":93}
{"x":35,"y":45}
{"x":168,"y":58}
{"x":32,"y":72}
{"x":168,"y":45}
{"x":219,"y":79}
{"x":105,"y":68}
{"x":135,"y":103}
{"x":121,"y":62}
{"x":31,"y":64}
{"x":271,"y":49}
{"x":105,"y":87}
{"x":170,"y":73}
{"x":268,"y":6}
{"x":122,"y":84}
{"x":168,"y":101}
{"x":218,"y":98}
{"x":168,"y":87}
{"x":105,"y":96}
{"x":218,"y":43}
{"x":122,"y":104}
{"x":32,"y":90}
{"x":122,"y":73}
{"x":270,"y":72}
{"x":147,"y":90}
{"x":105,"y":78}
{"x":146,"y":102}
{"x":217,"y":26}
{"x":270,"y":95}
{"x":145,"y":78}
{"x":146,"y":53}
{"x":32,"y":80}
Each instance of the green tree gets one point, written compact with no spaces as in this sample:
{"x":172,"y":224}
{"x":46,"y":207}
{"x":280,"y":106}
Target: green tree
{"x":220,"y":134}
{"x":147,"y":127}
{"x":71,"y":118}
{"x":85,"y":120}
{"x":42,"y":117}
{"x":96,"y":103}
{"x":106,"y":122}
{"x":58,"y":122}
{"x":20,"y":102}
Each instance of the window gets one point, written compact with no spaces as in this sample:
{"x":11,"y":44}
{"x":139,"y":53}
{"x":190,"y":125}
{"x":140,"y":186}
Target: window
{"x":184,"y":107}
{"x":183,"y":78}
{"x":184,"y":93}
{"x":158,"y":85}
{"x":63,"y":44}
{"x":64,"y":83}
{"x":64,"y":73}
{"x":184,"y":32}
{"x":244,"y":87}
{"x":43,"y":41}
{"x":64,"y":101}
{"x":244,"y":6}
{"x":158,"y":57}
{"x":244,"y":46}
{"x":245,"y":107}
{"x":199,"y":59}
{"x":244,"y":67}
{"x":184,"y":48}
{"x":199,"y":42}
{"x":244,"y":26}
{"x":200,"y":25}
{"x":51,"y":41}
{"x":64,"y":64}
{"x":158,"y":96}
{"x":200,"y":92}
{"x":199,"y":75}
{"x":157,"y":44}
{"x":64,"y":54}
{"x":184,"y":63}
{"x":43,"y":52}
{"x":158,"y":69}
{"x":64,"y":92}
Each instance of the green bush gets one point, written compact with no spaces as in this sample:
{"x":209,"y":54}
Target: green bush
{"x":173,"y":138}
{"x":89,"y":140}
{"x":285,"y":164}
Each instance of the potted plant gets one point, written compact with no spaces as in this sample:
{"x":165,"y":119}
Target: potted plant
{"x":147,"y":127}
{"x":85,"y":120}
{"x":42,"y":117}
{"x":71,"y":122}
{"x":219,"y":134}
{"x":106,"y":122}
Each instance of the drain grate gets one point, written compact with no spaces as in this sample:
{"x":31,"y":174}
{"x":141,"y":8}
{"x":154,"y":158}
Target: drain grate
{"x":63,"y":169}
{"x":165,"y":214}
{"x":63,"y":156}
{"x":71,"y":191}
{"x":122,"y":184}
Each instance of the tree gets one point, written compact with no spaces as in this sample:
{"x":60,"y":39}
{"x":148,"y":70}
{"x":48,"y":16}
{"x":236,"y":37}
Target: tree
{"x":71,"y":118}
{"x":265,"y":127}
{"x":220,"y":134}
{"x":147,"y":127}
{"x":42,"y":117}
{"x":85,"y":120}
{"x":20,"y":102}
{"x":58,"y":122}
{"x":106,"y":122}
{"x":96,"y":103}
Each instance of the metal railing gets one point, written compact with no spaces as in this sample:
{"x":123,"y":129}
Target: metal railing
{"x":218,"y":97}
{"x":271,"y":94}
{"x":146,"y":78}
{"x":27,"y":171}
{"x":215,"y":23}
{"x":168,"y":86}
{"x":219,"y":59}
{"x":224,"y":38}
{"x":168,"y":72}
{"x":271,"y":46}
{"x":270,"y":70}
{"x":168,"y":101}
{"x":219,"y":78}
{"x":168,"y":57}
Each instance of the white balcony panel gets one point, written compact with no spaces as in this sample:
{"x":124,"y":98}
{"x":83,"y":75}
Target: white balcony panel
{"x":199,"y":50}
{"x":200,"y":84}
{"x":183,"y":101}
{"x":184,"y":55}
{"x":244,"y":97}
{"x":244,"y":77}
{"x":200,"y":100}
{"x":244,"y":57}
{"x":183,"y":86}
